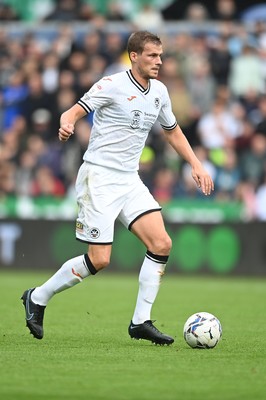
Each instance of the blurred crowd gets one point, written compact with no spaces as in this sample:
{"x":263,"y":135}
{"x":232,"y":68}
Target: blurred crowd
{"x":216,"y":80}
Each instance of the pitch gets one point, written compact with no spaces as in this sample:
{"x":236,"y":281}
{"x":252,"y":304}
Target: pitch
{"x":87,"y":353}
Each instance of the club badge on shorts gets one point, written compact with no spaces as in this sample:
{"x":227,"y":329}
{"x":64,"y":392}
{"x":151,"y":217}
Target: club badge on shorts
{"x":94,"y":233}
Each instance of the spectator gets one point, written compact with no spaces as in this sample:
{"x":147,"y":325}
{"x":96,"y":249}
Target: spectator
{"x":63,"y":98}
{"x":77,"y":62}
{"x":253,"y":160}
{"x":220,"y":61}
{"x":7,"y":13}
{"x":246,"y":73}
{"x":228,"y":176}
{"x":201,"y":84}
{"x":164,"y":185}
{"x":73,"y":152}
{"x":38,"y":149}
{"x":238,"y":38}
{"x":218,"y":128}
{"x":91,"y":44}
{"x":242,"y":143}
{"x":245,"y":194}
{"x":24,"y":174}
{"x":46,"y":183}
{"x":180,"y":47}
{"x":50,"y":72}
{"x":13,"y":95}
{"x":216,"y":83}
{"x":7,"y":179}
{"x":147,"y":167}
{"x":10,"y":145}
{"x":186,"y":182}
{"x":261,"y":118}
{"x":113,"y":47}
{"x":41,"y":124}
{"x":66,"y":79}
{"x":226,"y":10}
{"x":63,"y":43}
{"x":196,"y":12}
{"x":118,"y":65}
{"x":148,"y":18}
{"x":115,"y":11}
{"x":185,"y":110}
{"x":65,"y":10}
{"x":261,"y":201}
{"x":37,"y":98}
{"x":86,"y":12}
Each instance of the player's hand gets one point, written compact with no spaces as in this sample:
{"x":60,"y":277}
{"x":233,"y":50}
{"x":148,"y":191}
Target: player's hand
{"x":65,"y":131}
{"x":202,"y":179}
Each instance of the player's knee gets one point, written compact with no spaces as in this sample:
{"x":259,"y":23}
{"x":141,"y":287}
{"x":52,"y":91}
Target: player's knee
{"x":99,"y":256}
{"x":167,"y":244}
{"x":101,"y":262}
{"x":162,"y":246}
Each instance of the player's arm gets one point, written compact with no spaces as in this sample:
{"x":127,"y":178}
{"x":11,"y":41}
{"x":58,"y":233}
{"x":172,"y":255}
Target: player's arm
{"x":179,"y":142}
{"x":68,"y":120}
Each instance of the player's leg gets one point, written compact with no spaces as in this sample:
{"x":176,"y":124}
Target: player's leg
{"x":143,"y":217}
{"x":73,"y":272}
{"x":151,"y":231}
{"x":95,"y":225}
{"x":70,"y":274}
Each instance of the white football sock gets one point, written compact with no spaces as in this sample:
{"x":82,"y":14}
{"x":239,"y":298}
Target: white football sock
{"x":72,"y":272}
{"x":150,"y":277}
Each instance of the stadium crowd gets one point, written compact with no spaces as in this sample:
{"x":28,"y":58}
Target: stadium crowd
{"x":216,"y":80}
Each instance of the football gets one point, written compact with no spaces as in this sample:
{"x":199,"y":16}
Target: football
{"x":202,"y":330}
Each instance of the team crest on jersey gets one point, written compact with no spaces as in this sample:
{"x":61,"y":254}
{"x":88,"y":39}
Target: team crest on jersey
{"x":157,"y":102}
{"x":136,"y":118}
{"x":94,"y":233}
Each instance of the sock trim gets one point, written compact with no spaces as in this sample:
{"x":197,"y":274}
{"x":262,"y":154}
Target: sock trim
{"x":89,"y":265}
{"x":157,"y":258}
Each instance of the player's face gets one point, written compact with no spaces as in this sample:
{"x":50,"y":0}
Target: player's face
{"x":147,"y":64}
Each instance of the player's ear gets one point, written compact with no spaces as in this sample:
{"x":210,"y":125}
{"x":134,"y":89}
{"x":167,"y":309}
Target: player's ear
{"x":133,"y":56}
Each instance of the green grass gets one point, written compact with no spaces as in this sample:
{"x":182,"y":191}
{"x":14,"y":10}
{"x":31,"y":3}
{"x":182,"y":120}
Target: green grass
{"x":87,"y":354}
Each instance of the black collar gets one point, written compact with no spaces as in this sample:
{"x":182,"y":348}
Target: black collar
{"x":137,"y":84}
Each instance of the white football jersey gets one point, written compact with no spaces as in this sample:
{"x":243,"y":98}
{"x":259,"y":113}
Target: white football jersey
{"x":124,"y":114}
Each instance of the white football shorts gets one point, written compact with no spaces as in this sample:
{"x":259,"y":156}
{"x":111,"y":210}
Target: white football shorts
{"x":104,"y":195}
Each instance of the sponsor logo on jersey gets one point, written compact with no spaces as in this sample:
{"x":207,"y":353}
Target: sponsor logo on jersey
{"x":94,"y":233}
{"x":131,"y":98}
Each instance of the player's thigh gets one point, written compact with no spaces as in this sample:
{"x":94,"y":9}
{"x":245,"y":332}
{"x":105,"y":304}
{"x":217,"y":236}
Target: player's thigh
{"x":142,"y":215}
{"x":150,"y":229}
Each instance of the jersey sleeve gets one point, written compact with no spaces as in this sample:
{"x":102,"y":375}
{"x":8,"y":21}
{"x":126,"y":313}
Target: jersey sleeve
{"x":166,"y":116}
{"x":99,"y":95}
